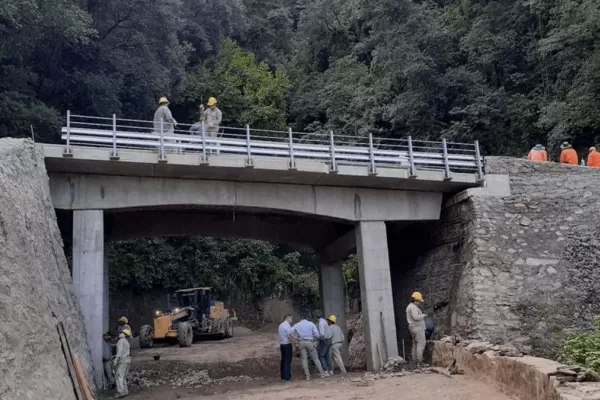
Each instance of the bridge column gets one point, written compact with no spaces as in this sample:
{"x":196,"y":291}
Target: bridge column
{"x":89,"y":279}
{"x":376,"y":293}
{"x":333,"y":299}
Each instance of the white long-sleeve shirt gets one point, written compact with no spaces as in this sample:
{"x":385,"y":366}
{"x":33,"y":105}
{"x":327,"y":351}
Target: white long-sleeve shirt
{"x":306,"y":330}
{"x":123,"y":351}
{"x":324,"y":330}
{"x":414,"y":316}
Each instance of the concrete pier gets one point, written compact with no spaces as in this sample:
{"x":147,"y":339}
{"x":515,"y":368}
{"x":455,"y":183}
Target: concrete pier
{"x":333,"y":297}
{"x":89,"y":279}
{"x":376,"y":293}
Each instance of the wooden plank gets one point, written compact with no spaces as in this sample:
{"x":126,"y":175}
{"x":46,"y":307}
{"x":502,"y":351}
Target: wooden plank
{"x":69,"y":359}
{"x":87,"y":393}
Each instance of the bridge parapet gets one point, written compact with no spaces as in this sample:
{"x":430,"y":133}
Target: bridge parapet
{"x":331,"y":149}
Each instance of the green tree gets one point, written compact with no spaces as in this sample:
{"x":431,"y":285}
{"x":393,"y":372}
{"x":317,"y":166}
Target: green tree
{"x":248,"y":92}
{"x":583,"y":348}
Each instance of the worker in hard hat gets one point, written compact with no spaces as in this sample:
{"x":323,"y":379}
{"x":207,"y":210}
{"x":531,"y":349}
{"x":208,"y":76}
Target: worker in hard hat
{"x":337,"y":342}
{"x":538,"y":153}
{"x":122,"y":362}
{"x":416,"y":326}
{"x":123,"y":324}
{"x":163,"y":113}
{"x":107,"y":359}
{"x":212,"y":118}
{"x":568,"y":155}
{"x":593,"y":159}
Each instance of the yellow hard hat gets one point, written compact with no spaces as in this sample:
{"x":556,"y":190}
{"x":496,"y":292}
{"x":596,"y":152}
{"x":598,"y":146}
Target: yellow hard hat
{"x":163,"y":100}
{"x":332,"y":318}
{"x":417,"y":296}
{"x":212,"y":101}
{"x":124,"y":320}
{"x":127,"y":332}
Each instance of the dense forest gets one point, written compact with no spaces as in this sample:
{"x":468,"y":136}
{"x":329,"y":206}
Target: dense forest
{"x":508,"y":73}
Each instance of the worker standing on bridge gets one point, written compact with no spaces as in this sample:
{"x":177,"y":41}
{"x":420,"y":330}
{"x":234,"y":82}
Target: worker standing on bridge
{"x":416,"y":326}
{"x":307,"y":334}
{"x":122,"y":362}
{"x":593,"y":159}
{"x":212,"y":117}
{"x":568,"y":155}
{"x":285,"y":330}
{"x":164,"y":113}
{"x":538,"y":153}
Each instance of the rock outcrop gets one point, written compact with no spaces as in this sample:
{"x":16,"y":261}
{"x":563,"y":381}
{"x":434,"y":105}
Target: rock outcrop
{"x":35,"y":283}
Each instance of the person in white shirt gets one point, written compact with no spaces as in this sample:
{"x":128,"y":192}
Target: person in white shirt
{"x":285,"y":330}
{"x":122,"y":362}
{"x":307,"y":334}
{"x":324,"y":347}
{"x":416,"y":326}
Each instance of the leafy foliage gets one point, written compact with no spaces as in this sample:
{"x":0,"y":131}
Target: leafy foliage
{"x":583,"y":348}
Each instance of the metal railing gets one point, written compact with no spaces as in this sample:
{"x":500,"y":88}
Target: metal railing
{"x":332,"y":149}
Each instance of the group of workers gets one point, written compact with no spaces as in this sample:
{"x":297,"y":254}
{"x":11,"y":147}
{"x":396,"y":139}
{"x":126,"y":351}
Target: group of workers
{"x":116,"y":367}
{"x":210,"y":117}
{"x":568,"y":155}
{"x":323,"y":343}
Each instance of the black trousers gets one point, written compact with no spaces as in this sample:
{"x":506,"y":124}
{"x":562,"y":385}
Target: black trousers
{"x":286,"y":361}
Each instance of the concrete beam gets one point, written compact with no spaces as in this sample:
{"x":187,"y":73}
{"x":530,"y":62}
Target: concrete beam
{"x":333,"y":297}
{"x":77,"y":192}
{"x":376,"y":293}
{"x":300,"y":232}
{"x":89,"y":278}
{"x":144,"y":163}
{"x":340,"y":248}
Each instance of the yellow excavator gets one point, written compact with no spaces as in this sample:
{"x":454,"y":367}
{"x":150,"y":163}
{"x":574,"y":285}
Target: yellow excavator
{"x":197,"y":313}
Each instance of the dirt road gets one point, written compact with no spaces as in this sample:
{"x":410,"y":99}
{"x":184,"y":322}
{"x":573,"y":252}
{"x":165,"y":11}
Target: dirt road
{"x":247,"y":367}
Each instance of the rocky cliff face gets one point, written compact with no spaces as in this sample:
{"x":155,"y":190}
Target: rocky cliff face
{"x":521,"y":269}
{"x":35,"y":283}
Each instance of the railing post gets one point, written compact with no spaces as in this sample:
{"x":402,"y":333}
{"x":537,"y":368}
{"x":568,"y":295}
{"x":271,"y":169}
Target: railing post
{"x":412,"y":173}
{"x":67,"y":152}
{"x":372,"y":169}
{"x":446,"y":163}
{"x":249,"y":162}
{"x":292,"y":161}
{"x":114,"y":155}
{"x":333,"y":167}
{"x":161,"y":156}
{"x":204,"y":159}
{"x":479,"y":166}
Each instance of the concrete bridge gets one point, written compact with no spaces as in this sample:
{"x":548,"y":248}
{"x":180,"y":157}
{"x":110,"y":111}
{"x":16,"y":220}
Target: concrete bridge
{"x":118,"y":179}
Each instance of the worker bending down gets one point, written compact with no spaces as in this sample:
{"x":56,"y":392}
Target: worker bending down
{"x":307,"y":334}
{"x":122,"y":362}
{"x":416,"y":326}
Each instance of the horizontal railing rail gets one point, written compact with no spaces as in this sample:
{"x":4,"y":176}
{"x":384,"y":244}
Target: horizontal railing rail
{"x":334,"y":150}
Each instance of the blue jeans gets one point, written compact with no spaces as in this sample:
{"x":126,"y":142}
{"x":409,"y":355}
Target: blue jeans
{"x":324,"y":350}
{"x":286,"y":361}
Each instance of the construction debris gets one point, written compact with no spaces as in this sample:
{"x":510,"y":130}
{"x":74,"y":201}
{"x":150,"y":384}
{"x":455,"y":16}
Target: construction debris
{"x":176,"y":379}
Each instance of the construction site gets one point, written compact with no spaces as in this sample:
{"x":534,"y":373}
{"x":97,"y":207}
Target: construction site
{"x":198,"y":347}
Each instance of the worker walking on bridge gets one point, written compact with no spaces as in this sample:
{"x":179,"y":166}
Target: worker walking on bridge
{"x":538,"y":153}
{"x":163,"y":113}
{"x":122,"y":362}
{"x":568,"y":155}
{"x":307,"y":334}
{"x":416,"y":326}
{"x":593,"y":159}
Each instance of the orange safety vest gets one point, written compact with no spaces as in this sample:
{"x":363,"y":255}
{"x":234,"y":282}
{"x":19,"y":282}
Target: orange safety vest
{"x":569,"y":156}
{"x":538,"y":155}
{"x":593,"y":159}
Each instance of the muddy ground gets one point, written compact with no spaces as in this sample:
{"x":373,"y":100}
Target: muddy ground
{"x":247,"y":367}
